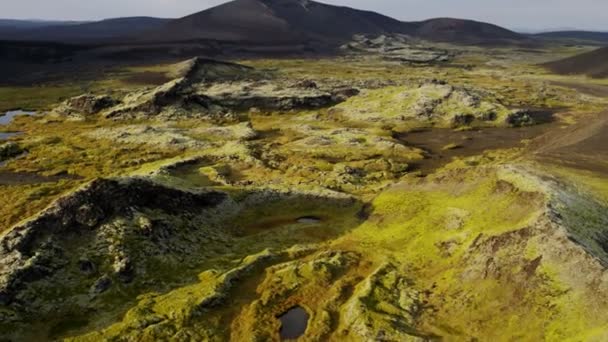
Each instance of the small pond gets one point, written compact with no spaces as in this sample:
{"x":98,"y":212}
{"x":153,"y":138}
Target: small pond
{"x":7,"y":117}
{"x":6,"y":135}
{"x":308,"y":220}
{"x":11,"y":114}
{"x":293,"y":323}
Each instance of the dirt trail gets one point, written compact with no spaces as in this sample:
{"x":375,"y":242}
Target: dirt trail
{"x":442,"y":144}
{"x":583,"y":145}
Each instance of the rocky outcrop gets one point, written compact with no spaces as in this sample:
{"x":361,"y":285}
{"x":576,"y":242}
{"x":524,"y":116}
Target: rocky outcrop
{"x":91,"y":104}
{"x":200,"y":70}
{"x":156,"y":135}
{"x":398,"y":48}
{"x":37,"y":249}
{"x":84,"y":105}
{"x":525,"y":117}
{"x":210,"y":89}
{"x":150,"y":102}
{"x":432,"y":101}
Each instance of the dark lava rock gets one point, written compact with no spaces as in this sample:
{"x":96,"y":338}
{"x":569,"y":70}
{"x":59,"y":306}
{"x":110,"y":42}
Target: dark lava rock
{"x":101,"y":285}
{"x":489,"y":116}
{"x":342,"y":94}
{"x":89,"y":215}
{"x":90,"y":104}
{"x":9,"y":150}
{"x":86,"y":266}
{"x":307,"y":84}
{"x":30,"y":252}
{"x":521,"y":118}
{"x":463,"y":119}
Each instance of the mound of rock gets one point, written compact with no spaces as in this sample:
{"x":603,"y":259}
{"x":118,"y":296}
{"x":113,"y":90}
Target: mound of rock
{"x":432,"y":102}
{"x":527,"y":117}
{"x":197,"y":70}
{"x":159,"y":135}
{"x":212,"y":89}
{"x":270,"y":95}
{"x":240,"y":132}
{"x":397,"y":47}
{"x":83,"y":105}
{"x":41,"y":248}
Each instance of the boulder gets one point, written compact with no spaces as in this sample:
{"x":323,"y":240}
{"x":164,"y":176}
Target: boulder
{"x":519,"y":118}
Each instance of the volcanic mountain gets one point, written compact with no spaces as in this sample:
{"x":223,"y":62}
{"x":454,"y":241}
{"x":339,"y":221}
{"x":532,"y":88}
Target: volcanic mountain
{"x":277,"y":21}
{"x":270,"y":23}
{"x":594,"y":64}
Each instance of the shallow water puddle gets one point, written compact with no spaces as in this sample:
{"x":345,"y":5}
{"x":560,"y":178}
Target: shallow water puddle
{"x":293,"y":323}
{"x":308,"y":220}
{"x":11,"y":114}
{"x":6,"y":135}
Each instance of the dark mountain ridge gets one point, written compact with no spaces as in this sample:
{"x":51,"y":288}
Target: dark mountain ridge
{"x":268,"y":22}
{"x":89,"y":31}
{"x":593,"y":37}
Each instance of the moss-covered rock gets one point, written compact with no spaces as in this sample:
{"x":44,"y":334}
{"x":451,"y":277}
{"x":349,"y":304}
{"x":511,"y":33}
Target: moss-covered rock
{"x":9,"y":150}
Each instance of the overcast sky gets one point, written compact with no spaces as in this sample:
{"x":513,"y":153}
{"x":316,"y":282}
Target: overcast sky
{"x":515,"y":14}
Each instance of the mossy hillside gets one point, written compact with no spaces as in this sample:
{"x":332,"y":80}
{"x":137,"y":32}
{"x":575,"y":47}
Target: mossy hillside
{"x":470,"y":260}
{"x":437,"y":258}
{"x":427,"y":105}
{"x":200,"y":307}
{"x":35,"y":98}
{"x":517,"y":84}
{"x":431,"y":227}
{"x":62,"y":148}
{"x":42,"y":97}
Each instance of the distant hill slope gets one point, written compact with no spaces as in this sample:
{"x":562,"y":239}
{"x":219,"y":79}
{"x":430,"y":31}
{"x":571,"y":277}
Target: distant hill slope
{"x":32,"y":24}
{"x":582,"y":36}
{"x":464,"y":31}
{"x":92,"y":31}
{"x":594,"y":64}
{"x":11,"y":28}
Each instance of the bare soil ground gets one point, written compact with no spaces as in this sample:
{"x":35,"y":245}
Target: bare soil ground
{"x":582,"y":146}
{"x":442,"y":145}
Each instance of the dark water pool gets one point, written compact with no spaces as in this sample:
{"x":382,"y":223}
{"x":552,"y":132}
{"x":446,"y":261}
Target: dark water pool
{"x":293,"y":323}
